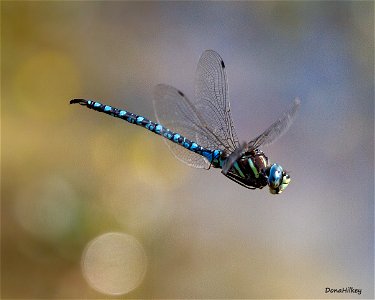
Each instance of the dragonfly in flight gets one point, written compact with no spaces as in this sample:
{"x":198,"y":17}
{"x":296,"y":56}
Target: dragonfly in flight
{"x":201,"y":133}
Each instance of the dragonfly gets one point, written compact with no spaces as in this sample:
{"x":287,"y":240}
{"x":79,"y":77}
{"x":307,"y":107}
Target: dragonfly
{"x":202,"y":133}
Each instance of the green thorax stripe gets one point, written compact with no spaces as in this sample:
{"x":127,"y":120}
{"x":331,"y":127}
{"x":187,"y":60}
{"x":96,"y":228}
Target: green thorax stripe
{"x":238,"y":169}
{"x":253,"y":168}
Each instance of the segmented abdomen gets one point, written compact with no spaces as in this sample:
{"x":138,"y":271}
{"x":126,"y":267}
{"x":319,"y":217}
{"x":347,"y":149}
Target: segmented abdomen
{"x":159,"y":129}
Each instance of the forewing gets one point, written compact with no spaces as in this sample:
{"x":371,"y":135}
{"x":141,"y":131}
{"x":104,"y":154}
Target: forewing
{"x":212,"y":102}
{"x":174,"y":111}
{"x":277,"y":129}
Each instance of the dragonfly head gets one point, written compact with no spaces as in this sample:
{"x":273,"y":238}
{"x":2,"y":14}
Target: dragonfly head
{"x":278,"y":179}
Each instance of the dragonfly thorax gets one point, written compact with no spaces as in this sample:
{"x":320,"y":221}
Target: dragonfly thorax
{"x":250,"y":170}
{"x":253,"y":171}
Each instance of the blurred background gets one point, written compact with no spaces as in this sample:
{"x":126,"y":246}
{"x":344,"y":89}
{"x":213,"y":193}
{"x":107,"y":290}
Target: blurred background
{"x":94,"y":207}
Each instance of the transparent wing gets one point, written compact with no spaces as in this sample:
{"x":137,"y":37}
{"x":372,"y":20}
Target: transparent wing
{"x":233,"y":157}
{"x":277,"y":129}
{"x":175,"y":111}
{"x":212,"y":102}
{"x":206,"y":120}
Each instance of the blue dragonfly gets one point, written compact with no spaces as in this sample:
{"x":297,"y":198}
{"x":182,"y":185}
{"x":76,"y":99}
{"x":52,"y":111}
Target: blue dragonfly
{"x":203,"y":133}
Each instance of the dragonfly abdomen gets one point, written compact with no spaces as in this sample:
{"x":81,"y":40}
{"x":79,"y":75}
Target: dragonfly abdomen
{"x":156,"y":128}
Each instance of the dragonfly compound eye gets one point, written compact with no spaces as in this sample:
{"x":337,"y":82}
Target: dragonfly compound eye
{"x":275,"y":177}
{"x":284,"y":183}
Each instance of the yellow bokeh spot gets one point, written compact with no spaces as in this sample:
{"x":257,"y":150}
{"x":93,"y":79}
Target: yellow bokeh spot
{"x":41,"y":81}
{"x":155,"y":164}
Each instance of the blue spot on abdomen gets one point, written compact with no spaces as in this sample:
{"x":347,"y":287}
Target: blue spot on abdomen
{"x":207,"y":155}
{"x":193,"y":146}
{"x":217,"y":154}
{"x":140,"y":119}
{"x":176,"y":137}
{"x":158,"y":129}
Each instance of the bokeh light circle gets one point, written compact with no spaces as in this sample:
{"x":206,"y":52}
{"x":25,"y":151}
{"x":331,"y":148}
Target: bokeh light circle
{"x":114,"y":263}
{"x":47,"y":208}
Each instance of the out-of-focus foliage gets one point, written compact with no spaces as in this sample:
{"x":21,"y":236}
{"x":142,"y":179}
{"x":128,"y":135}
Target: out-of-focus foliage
{"x":70,"y":175}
